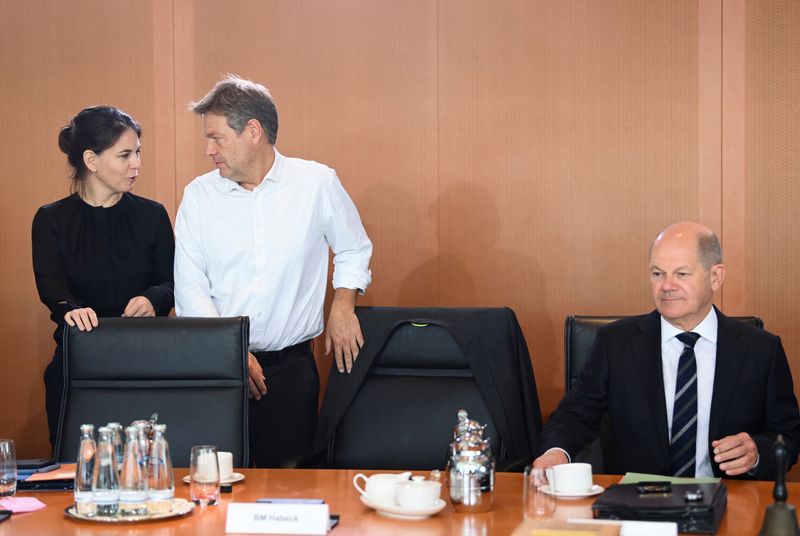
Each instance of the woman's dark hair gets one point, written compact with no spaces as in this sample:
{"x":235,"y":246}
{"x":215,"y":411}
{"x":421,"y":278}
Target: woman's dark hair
{"x":94,"y":129}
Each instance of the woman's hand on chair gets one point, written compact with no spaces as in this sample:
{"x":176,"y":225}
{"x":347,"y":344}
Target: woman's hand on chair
{"x":84,"y":318}
{"x":139,"y":306}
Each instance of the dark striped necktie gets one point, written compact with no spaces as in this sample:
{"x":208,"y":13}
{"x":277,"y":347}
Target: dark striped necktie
{"x":682,"y":445}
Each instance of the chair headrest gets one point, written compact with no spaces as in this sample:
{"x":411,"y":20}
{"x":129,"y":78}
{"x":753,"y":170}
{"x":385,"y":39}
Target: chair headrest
{"x":420,"y":346}
{"x":157,"y":348}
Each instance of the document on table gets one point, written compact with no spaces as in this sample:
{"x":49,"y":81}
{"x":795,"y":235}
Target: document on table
{"x":66,"y":471}
{"x":635,"y":478}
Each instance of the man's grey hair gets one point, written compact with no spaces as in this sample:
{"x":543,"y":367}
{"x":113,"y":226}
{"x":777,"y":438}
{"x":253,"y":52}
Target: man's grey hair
{"x":709,"y":250}
{"x":240,"y":100}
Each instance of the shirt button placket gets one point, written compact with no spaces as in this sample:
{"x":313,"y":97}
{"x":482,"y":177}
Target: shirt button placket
{"x":258,"y":229}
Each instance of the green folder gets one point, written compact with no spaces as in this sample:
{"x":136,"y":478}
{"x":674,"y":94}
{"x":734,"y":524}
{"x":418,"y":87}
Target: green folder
{"x":635,"y":478}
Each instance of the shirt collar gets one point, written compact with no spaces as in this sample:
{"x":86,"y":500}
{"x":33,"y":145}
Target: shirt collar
{"x":707,"y":329}
{"x":274,"y":174}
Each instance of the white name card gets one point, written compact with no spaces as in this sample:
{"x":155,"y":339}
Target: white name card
{"x":262,"y":518}
{"x":634,"y":528}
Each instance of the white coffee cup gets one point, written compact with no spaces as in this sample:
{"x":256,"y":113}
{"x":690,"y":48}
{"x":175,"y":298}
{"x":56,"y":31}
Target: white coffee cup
{"x":570,"y":478}
{"x":417,"y":493}
{"x":380,"y":488}
{"x":225,"y":460}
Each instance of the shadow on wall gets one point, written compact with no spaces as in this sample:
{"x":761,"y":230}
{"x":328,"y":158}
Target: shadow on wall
{"x":482,"y":263}
{"x":459,"y":252}
{"x":471,"y":266}
{"x":402,"y":237}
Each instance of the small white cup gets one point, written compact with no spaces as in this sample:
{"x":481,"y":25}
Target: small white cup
{"x":570,"y":478}
{"x":379,"y":488}
{"x":417,"y":493}
{"x":225,"y":460}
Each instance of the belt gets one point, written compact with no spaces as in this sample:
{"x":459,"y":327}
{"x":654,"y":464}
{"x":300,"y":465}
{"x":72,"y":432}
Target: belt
{"x":296,"y":350}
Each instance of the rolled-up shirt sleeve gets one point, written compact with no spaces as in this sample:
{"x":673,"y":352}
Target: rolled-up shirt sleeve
{"x":192,"y":286}
{"x":347,"y":238}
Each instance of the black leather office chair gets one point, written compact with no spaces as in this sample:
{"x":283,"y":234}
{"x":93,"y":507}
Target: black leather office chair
{"x":418,"y":367}
{"x":580,"y":333}
{"x":191,"y":371}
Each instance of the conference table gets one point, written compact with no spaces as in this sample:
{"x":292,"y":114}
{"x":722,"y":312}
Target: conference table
{"x":745,"y":512}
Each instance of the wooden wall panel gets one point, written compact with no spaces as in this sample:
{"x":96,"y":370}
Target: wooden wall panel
{"x":521,"y":156}
{"x":58,"y":57}
{"x":733,"y":155}
{"x":709,"y":113}
{"x":568,"y":138}
{"x":771,"y":218}
{"x":163,"y":163}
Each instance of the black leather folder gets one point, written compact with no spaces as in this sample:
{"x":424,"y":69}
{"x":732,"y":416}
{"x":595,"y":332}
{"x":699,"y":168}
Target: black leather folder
{"x":46,"y":485}
{"x":696,"y":508}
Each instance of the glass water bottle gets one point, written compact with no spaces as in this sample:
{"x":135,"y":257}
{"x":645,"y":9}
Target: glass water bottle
{"x":133,"y":478}
{"x":160,"y":482}
{"x":84,"y":472}
{"x":105,"y":480}
{"x":116,"y":441}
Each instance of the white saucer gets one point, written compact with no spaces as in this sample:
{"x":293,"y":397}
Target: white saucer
{"x":235,"y":477}
{"x":594,"y":490}
{"x":398,"y":512}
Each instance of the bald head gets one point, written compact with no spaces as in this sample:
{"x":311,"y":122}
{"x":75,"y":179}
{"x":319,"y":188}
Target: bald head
{"x":709,"y":250}
{"x":685,"y":271}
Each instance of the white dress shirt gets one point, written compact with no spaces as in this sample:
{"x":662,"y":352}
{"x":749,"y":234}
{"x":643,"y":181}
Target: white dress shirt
{"x":705,"y":351}
{"x":264,"y":253}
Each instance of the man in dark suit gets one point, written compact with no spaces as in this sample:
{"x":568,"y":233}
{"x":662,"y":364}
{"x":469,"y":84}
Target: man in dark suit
{"x":688,"y":391}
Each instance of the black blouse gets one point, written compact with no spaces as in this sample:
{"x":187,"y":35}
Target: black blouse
{"x":85,"y":256}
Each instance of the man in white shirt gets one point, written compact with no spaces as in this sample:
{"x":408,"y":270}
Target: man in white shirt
{"x":687,"y":390}
{"x":252,"y":239}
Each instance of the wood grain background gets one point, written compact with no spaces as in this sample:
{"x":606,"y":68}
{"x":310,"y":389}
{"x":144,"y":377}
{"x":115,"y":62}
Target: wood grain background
{"x":519,"y":154}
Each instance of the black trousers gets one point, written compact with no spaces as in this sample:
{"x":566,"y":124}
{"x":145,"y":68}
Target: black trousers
{"x":283,"y":422}
{"x":53,"y":389}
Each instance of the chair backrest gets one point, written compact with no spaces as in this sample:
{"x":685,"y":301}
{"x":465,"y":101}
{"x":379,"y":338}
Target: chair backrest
{"x":418,"y":367}
{"x":580,"y":333}
{"x":406,"y":408}
{"x":192,"y":372}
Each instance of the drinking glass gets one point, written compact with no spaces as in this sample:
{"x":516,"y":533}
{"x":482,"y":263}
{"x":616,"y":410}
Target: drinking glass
{"x":204,"y":475}
{"x":8,"y":468}
{"x":536,"y":504}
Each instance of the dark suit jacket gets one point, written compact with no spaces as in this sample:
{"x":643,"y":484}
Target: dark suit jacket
{"x":753,"y":393}
{"x":492,"y":342}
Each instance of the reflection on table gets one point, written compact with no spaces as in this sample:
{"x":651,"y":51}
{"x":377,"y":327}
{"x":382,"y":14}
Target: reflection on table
{"x":745,"y":513}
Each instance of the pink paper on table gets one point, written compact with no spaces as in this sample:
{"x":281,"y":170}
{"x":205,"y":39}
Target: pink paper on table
{"x":19,"y":505}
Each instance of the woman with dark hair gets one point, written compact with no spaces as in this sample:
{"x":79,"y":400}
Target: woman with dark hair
{"x":101,"y":251}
